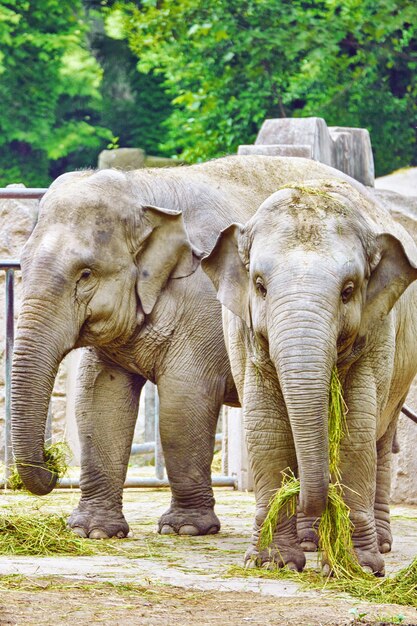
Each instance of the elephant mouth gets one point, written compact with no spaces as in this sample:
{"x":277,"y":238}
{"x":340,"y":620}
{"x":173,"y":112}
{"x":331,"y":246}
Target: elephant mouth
{"x":351,"y":353}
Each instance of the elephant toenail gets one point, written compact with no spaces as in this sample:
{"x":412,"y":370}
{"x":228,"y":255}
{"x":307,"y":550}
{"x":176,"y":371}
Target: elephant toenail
{"x":250,"y":564}
{"x":120,"y":534}
{"x":385,"y":547}
{"x":97,"y":533}
{"x":326,"y":571}
{"x":291,"y":566}
{"x":308,"y":546}
{"x":188,"y":529}
{"x":213,"y":530}
{"x":79,"y":531}
{"x":167,"y":530}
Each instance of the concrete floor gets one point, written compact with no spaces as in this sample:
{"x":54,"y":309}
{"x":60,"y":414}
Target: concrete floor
{"x":200,"y":563}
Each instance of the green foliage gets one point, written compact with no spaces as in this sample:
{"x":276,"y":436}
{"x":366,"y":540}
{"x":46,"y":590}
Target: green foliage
{"x":49,"y":88}
{"x":229,"y":64}
{"x":134,"y":104}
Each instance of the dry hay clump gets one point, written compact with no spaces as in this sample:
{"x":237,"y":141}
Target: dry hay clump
{"x":32,"y":533}
{"x":335,"y":530}
{"x":39,"y":534}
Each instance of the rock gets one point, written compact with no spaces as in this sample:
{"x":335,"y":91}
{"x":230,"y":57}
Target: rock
{"x":402,"y":181}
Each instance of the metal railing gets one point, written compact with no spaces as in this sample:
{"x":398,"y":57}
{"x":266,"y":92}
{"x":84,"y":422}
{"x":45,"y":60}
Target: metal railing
{"x":150,"y":447}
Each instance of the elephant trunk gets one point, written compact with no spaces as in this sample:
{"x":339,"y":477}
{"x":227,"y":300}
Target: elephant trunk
{"x":40,"y":346}
{"x":303,"y":351}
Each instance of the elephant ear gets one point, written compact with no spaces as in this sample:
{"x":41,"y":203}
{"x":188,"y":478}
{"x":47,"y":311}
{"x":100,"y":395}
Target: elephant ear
{"x":228,"y":274}
{"x":394,"y":271}
{"x":164,"y":252}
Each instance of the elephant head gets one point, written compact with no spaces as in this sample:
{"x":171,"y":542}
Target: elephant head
{"x":309,"y":275}
{"x":93,"y":269}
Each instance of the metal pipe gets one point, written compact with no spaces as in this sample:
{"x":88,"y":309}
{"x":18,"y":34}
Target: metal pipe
{"x":159,"y":455}
{"x":409,"y":413}
{"x":143,"y":448}
{"x":8,"y":457}
{"x":9,"y":264}
{"x":149,"y":446}
{"x":136,"y":483}
{"x":22,"y":193}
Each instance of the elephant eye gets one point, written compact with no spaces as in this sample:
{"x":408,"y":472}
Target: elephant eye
{"x":260,"y":287}
{"x":85,"y":274}
{"x":347,"y":292}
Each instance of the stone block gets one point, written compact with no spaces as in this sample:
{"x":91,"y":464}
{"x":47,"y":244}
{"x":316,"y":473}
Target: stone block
{"x":275,"y":150}
{"x":346,"y":149}
{"x":122,"y":159}
{"x":352,"y":153}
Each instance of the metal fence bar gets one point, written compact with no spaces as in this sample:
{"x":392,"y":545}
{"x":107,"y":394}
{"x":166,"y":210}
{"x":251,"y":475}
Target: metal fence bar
{"x":151,"y":483}
{"x":8,"y":461}
{"x":159,"y":455}
{"x":22,"y":193}
{"x":149,"y":446}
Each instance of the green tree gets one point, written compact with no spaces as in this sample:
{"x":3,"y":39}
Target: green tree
{"x":134,"y":105}
{"x":49,"y":88}
{"x":229,"y":64}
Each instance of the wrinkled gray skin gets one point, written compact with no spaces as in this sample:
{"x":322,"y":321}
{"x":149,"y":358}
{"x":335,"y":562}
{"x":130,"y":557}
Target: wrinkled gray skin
{"x":317,"y":278}
{"x":106,"y":268}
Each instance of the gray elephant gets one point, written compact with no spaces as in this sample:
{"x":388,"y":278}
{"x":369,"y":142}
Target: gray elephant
{"x":109,"y":269}
{"x":316,"y":278}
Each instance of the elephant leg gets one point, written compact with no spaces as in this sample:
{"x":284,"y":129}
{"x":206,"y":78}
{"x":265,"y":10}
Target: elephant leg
{"x":188,"y":413}
{"x":106,"y":412}
{"x":271,"y":452}
{"x":358,"y":470}
{"x":383,"y":487}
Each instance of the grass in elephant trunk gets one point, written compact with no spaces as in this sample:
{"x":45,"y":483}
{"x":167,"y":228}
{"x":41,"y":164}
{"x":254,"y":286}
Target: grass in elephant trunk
{"x":335,"y":529}
{"x":56,"y":461}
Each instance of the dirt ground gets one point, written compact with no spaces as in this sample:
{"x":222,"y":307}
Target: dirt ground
{"x":150,"y":579}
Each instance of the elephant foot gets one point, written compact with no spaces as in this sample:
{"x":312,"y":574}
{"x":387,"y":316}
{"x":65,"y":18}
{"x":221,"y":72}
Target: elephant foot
{"x":97,"y":524}
{"x":370,"y":562}
{"x":276,"y":556}
{"x":183,"y":521}
{"x":384,"y":534}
